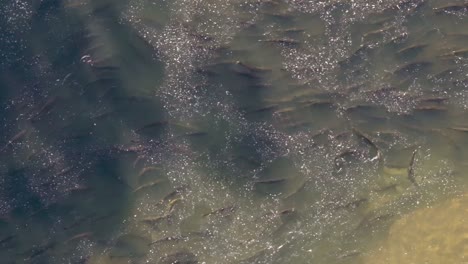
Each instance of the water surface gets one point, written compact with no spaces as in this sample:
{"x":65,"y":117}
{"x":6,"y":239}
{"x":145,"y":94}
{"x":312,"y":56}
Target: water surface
{"x":253,"y":131}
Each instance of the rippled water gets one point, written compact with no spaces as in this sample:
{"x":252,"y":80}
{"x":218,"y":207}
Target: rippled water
{"x":233,"y":131}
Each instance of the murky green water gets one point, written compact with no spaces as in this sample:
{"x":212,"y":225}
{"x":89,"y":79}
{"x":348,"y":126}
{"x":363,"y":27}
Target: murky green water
{"x":253,"y":131}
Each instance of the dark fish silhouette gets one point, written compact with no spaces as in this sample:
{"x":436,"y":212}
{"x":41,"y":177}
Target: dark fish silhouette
{"x":14,"y":139}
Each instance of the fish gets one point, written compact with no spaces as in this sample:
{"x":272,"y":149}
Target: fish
{"x":412,"y":48}
{"x":348,"y":254}
{"x":223,"y":211}
{"x":356,"y":55}
{"x":178,"y":191}
{"x":101,"y":9}
{"x":255,"y":256}
{"x":318,"y":103}
{"x":411,"y":169}
{"x":252,"y":68}
{"x":381,"y":217}
{"x":368,"y":141}
{"x":41,"y":250}
{"x":388,"y":133}
{"x":286,"y":110}
{"x":369,"y":221}
{"x":221,"y":64}
{"x":446,"y":73}
{"x":48,"y":105}
{"x":271,"y":2}
{"x":346,"y":153}
{"x":287,"y":211}
{"x":263,"y":109}
{"x":298,"y":125}
{"x":301,"y":187}
{"x":152,"y":125}
{"x":64,"y":171}
{"x":108,"y":81}
{"x":83,"y":260}
{"x":451,"y":7}
{"x":134,"y":149}
{"x":270,"y":181}
{"x":79,"y":189}
{"x":353,"y":204}
{"x":460,"y":52}
{"x":6,"y":240}
{"x":100,"y":115}
{"x":377,"y":31}
{"x":284,"y":41}
{"x":250,"y":75}
{"x":207,"y":72}
{"x":412,"y":67}
{"x":459,"y":129}
{"x":172,"y":203}
{"x":246,"y":160}
{"x":201,"y":37}
{"x":147,"y":169}
{"x":261,"y":86}
{"x":79,"y":236}
{"x":152,"y":221}
{"x":102,"y":217}
{"x":280,"y":15}
{"x":176,"y":238}
{"x":291,"y":30}
{"x":408,"y":6}
{"x":196,"y":134}
{"x":387,"y":188}
{"x":14,"y":139}
{"x":344,"y":135}
{"x":66,"y":78}
{"x":437,"y":100}
{"x":80,"y":221}
{"x":288,"y":215}
{"x":75,"y":137}
{"x":137,"y":161}
{"x":148,"y":185}
{"x":94,"y":47}
{"x":397,"y":39}
{"x":431,"y":108}
{"x":184,"y":256}
{"x":130,"y":246}
{"x":105,"y":67}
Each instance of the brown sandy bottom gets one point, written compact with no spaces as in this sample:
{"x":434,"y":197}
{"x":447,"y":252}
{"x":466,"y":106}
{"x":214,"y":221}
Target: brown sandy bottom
{"x":437,"y":234}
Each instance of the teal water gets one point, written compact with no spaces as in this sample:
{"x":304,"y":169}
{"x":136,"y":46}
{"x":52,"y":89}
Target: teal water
{"x":209,"y":131}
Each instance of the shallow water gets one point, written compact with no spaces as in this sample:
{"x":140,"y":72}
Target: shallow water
{"x":253,"y":131}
